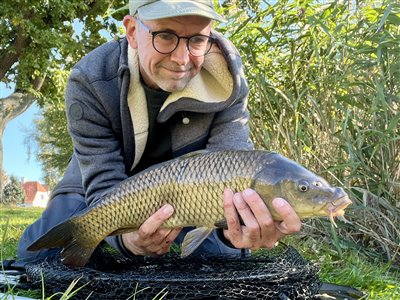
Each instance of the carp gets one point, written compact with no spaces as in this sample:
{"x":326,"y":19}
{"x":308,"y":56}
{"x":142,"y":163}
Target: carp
{"x":193,"y":184}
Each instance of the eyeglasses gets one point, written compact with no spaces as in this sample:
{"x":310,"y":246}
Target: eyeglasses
{"x":165,"y":42}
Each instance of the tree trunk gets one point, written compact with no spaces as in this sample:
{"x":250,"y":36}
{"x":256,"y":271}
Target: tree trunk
{"x":10,"y":108}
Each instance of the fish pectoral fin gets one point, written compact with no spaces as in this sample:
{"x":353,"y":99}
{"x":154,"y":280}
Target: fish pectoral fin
{"x":193,"y":239}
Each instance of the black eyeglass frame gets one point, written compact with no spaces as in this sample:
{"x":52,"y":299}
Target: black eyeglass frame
{"x":155,"y":33}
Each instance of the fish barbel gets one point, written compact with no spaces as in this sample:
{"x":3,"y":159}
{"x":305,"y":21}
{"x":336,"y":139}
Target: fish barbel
{"x":193,"y":184}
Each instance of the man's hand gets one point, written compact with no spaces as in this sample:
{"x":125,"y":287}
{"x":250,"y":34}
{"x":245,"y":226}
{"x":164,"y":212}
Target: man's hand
{"x":150,"y":239}
{"x":259,"y":229}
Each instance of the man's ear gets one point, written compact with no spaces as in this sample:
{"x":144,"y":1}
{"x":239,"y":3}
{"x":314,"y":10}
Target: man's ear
{"x":130,"y":28}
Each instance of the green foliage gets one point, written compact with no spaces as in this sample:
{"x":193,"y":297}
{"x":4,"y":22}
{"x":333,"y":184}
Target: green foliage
{"x":13,"y":192}
{"x":42,"y":40}
{"x":43,"y":34}
{"x":324,"y":82}
{"x":54,"y":145}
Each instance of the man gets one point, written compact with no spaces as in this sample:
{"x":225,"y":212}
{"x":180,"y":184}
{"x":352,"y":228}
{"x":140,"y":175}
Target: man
{"x":172,"y":86}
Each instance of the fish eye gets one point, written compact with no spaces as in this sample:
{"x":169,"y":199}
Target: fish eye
{"x":303,"y":187}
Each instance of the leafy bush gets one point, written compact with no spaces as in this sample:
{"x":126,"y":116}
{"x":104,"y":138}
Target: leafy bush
{"x":324,"y":90}
{"x":13,"y":192}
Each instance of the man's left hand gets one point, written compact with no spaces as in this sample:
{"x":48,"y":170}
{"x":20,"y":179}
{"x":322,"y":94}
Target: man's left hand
{"x":260,"y":230}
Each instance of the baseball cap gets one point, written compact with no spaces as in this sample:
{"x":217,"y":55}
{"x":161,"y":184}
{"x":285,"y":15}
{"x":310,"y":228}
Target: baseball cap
{"x":159,"y":9}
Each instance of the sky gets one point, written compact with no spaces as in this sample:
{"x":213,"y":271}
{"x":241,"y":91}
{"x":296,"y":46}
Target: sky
{"x":15,"y":154}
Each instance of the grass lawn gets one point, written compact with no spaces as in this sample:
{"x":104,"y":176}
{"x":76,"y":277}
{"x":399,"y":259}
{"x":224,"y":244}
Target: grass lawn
{"x":378,"y":280}
{"x":13,"y":221}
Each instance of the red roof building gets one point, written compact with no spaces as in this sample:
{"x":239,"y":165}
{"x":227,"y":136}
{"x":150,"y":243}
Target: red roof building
{"x":36,"y":194}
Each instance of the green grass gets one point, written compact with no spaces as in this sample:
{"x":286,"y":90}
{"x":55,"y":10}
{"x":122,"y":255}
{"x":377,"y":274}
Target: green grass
{"x":352,"y":268}
{"x":348,"y":267}
{"x":13,"y":221}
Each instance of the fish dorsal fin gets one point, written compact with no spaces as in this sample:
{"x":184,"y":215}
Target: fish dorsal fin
{"x":153,"y":167}
{"x":193,"y":239}
{"x":183,"y":156}
{"x":194,"y":153}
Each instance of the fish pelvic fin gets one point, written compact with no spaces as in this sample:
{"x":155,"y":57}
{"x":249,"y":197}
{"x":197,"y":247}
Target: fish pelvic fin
{"x":76,"y":250}
{"x":221,"y":224}
{"x":193,"y":239}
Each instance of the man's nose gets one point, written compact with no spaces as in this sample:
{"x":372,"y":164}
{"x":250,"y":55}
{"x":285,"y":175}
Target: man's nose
{"x":181,"y":54}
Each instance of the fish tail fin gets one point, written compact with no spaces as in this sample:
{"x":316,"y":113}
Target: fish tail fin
{"x":76,"y":250}
{"x":193,"y":239}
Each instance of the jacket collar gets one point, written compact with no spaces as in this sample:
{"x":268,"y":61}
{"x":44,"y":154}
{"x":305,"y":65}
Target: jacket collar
{"x":213,"y":84}
{"x":216,"y":87}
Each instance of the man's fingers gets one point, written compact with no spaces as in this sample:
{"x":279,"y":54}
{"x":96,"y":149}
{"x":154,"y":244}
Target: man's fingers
{"x":234,"y":231}
{"x":263,"y":218}
{"x":259,"y":229}
{"x":291,"y":222}
{"x":251,"y":230}
{"x":258,"y":207}
{"x":153,"y":223}
{"x":172,"y":236}
{"x":150,"y":239}
{"x":166,"y":243}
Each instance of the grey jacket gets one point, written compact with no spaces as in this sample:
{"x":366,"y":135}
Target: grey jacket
{"x":107,"y":118}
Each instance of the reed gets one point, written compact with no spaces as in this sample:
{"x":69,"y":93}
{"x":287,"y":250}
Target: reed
{"x":325,"y":91}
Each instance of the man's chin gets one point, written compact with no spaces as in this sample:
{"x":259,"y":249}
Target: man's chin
{"x":173,"y":86}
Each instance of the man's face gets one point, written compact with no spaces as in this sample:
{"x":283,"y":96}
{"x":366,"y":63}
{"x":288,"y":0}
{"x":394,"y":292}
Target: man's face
{"x":169,"y":72}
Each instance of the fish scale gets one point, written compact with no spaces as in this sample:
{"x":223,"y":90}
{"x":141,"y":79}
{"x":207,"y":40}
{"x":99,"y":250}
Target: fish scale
{"x":193,"y":184}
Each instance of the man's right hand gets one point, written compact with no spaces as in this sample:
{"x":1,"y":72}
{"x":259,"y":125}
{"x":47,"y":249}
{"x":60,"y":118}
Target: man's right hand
{"x":150,"y":239}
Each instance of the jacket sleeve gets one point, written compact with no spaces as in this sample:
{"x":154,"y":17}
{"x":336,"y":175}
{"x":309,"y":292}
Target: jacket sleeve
{"x":230,"y":128}
{"x":96,"y":143}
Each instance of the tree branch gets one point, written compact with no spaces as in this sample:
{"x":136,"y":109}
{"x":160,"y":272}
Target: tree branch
{"x":14,"y":105}
{"x":10,"y":55}
{"x":38,"y":82}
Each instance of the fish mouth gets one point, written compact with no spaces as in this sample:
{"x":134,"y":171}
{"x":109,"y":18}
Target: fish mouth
{"x":337,"y":207}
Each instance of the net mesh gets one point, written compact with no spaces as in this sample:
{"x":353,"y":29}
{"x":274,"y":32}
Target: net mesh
{"x":263,"y":276}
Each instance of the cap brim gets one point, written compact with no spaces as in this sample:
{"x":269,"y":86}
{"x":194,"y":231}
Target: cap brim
{"x":168,"y":9}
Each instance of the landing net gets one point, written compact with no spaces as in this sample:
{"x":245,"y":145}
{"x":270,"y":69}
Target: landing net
{"x":263,"y":276}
